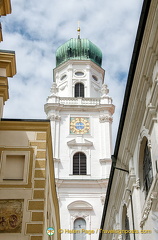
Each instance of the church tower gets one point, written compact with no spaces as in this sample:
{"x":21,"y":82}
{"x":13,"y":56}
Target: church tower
{"x":80,"y":111}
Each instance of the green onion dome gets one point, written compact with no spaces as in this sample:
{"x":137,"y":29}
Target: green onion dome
{"x":78,"y":49}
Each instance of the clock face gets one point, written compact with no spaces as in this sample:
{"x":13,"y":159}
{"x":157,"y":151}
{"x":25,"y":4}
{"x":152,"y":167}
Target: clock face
{"x":79,"y":125}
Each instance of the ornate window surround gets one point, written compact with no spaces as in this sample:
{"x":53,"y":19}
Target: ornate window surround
{"x":80,"y":209}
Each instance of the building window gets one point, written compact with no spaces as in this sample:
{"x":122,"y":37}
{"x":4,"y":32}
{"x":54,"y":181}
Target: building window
{"x":79,"y":90}
{"x":147,"y":169}
{"x":79,"y":74}
{"x":79,"y":164}
{"x":79,"y":224}
{"x":127,"y":236}
{"x":125,"y":223}
{"x":14,"y":167}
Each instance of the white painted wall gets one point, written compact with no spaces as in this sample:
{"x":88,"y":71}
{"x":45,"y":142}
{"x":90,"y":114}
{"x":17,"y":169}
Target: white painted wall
{"x":97,"y":106}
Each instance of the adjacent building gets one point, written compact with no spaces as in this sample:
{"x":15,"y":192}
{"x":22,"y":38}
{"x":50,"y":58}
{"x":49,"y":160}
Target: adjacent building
{"x":28,"y":199}
{"x":5,"y":8}
{"x":132,"y":196}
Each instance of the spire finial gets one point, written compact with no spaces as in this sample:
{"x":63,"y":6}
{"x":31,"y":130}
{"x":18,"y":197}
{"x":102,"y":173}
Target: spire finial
{"x":78,"y":29}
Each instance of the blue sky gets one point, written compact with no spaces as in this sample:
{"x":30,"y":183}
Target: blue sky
{"x":35,"y":29}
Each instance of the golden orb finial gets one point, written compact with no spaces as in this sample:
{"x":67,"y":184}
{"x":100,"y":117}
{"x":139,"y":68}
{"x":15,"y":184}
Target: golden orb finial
{"x":78,"y":30}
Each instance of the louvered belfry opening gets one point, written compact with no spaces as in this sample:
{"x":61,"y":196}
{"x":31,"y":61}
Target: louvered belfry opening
{"x":79,"y":90}
{"x":79,"y":164}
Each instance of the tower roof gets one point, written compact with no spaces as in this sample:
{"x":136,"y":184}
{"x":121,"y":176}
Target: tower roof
{"x":78,"y":49}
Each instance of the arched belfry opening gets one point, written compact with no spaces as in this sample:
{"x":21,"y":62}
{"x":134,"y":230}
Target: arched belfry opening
{"x":79,"y":90}
{"x":79,"y":164}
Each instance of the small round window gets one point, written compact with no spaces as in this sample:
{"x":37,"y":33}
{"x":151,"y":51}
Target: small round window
{"x":94,"y":77}
{"x":63,"y":77}
{"x":79,"y":73}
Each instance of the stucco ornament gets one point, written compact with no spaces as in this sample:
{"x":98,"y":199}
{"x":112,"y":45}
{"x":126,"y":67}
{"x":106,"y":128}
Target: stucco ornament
{"x":54,"y":89}
{"x":120,"y":237}
{"x":146,"y":211}
{"x":55,"y":118}
{"x":137,"y":185}
{"x":105,"y":118}
{"x":11,"y":216}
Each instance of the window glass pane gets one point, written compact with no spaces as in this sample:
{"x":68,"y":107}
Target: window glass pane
{"x":79,"y":73}
{"x":147,"y":169}
{"x":127,"y":235}
{"x":79,"y":90}
{"x":82,"y":164}
{"x":94,"y":77}
{"x":79,"y":224}
{"x":76,"y":165}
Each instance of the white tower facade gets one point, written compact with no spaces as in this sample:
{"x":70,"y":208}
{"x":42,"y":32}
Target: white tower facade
{"x":81,"y":112}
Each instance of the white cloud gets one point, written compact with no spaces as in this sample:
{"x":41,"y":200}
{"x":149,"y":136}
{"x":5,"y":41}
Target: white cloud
{"x":36,"y":28}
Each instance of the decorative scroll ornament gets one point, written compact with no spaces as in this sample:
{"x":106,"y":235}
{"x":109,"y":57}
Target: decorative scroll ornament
{"x":137,"y":185}
{"x":149,"y":143}
{"x":79,"y":215}
{"x":105,"y":118}
{"x":146,"y":211}
{"x":104,"y":90}
{"x":54,"y":118}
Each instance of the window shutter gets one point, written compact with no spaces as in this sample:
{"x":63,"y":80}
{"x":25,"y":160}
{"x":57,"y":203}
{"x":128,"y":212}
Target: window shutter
{"x":79,"y":164}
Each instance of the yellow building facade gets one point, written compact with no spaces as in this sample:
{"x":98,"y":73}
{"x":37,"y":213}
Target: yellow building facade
{"x":28,"y":200}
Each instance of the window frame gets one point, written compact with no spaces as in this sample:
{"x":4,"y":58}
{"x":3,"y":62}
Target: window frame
{"x":125,"y":222}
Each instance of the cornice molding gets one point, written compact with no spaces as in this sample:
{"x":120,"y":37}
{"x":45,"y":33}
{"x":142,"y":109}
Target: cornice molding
{"x":24,"y":125}
{"x":83,"y":142}
{"x":105,"y":160}
{"x":4,"y":88}
{"x":5,"y":7}
{"x":7,"y":61}
{"x":79,"y":205}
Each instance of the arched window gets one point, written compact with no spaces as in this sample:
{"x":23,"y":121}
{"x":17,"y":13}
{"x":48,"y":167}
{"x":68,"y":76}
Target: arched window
{"x":79,"y":224}
{"x":147,"y":169}
{"x":125,"y":223}
{"x":79,"y":90}
{"x":79,"y":164}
